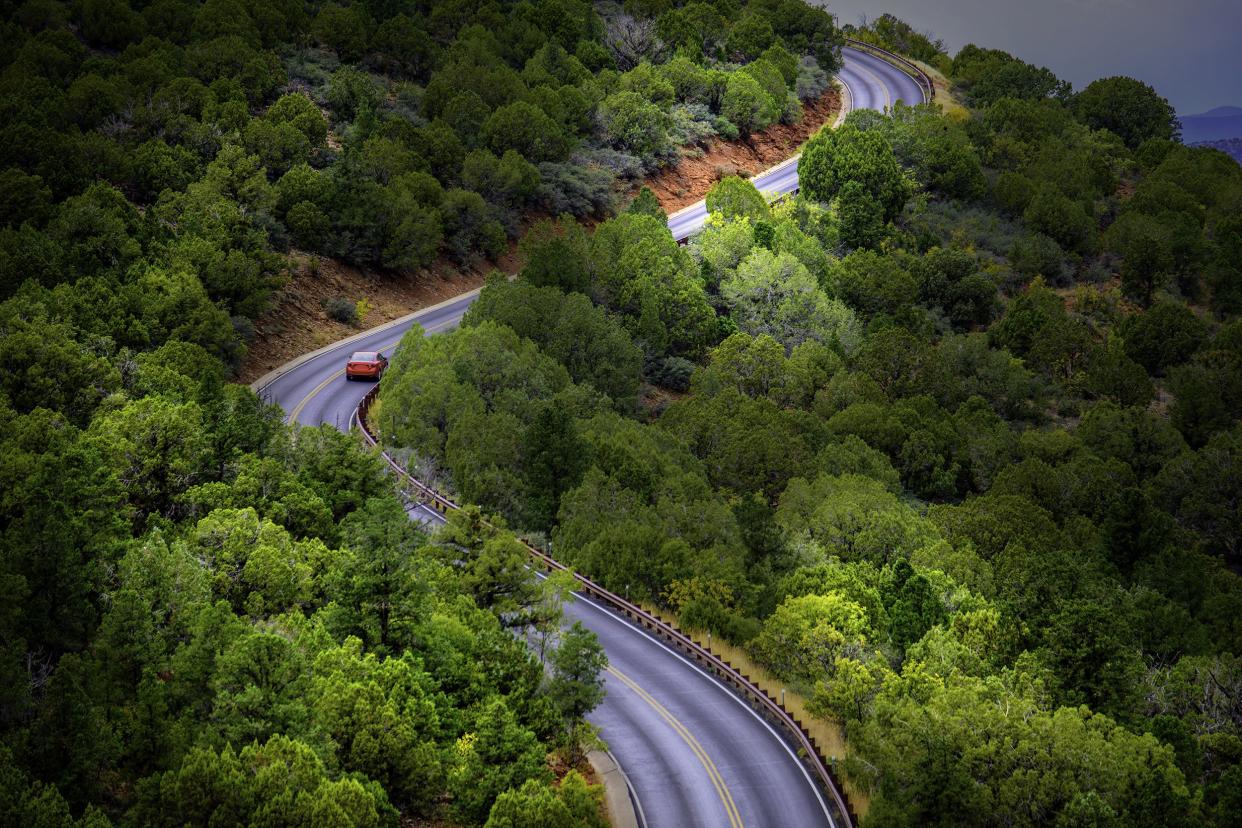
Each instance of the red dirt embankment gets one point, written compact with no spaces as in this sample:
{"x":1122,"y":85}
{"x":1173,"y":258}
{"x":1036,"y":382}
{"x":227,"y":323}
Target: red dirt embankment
{"x":297,"y":322}
{"x":700,"y":168}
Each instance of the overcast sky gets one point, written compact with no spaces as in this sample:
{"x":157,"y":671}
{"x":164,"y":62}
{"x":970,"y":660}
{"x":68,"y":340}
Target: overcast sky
{"x":1189,"y":50}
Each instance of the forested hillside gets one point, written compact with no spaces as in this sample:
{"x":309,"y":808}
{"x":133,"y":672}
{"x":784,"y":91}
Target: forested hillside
{"x":950,"y":441}
{"x":209,"y":617}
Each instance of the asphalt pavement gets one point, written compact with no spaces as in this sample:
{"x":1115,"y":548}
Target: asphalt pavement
{"x":695,"y":753}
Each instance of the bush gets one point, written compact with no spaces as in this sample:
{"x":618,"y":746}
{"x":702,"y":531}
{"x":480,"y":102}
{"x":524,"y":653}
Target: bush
{"x":340,"y":309}
{"x":579,"y":191}
{"x":672,"y":373}
{"x":692,"y":124}
{"x":470,"y":227}
{"x":1065,"y":220}
{"x":635,"y":124}
{"x":1167,"y":334}
{"x":350,"y":91}
{"x":811,"y":81}
{"x":1127,"y":107}
{"x":308,"y":225}
{"x":1037,"y":255}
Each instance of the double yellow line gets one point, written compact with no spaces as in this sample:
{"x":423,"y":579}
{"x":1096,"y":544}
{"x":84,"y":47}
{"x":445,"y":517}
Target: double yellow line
{"x":713,"y":773}
{"x":888,"y":96}
{"x":726,"y":798}
{"x":318,"y":389}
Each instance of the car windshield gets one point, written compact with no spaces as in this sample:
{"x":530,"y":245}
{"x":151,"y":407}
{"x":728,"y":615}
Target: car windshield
{"x":363,"y":356}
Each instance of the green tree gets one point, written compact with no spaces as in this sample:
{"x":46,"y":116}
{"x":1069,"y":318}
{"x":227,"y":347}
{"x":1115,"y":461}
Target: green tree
{"x":773,"y":294}
{"x":341,"y":29}
{"x":646,"y":203}
{"x":382,"y":719}
{"x":1167,"y":334}
{"x":526,"y":129}
{"x":281,"y":781}
{"x":577,"y":680}
{"x":749,"y":37}
{"x":379,"y":587}
{"x":497,"y":755}
{"x":1146,"y":258}
{"x":861,"y":216}
{"x":635,"y":124}
{"x":401,"y":47}
{"x":554,"y":458}
{"x":734,"y":197}
{"x":492,"y":564}
{"x":471,"y":230}
{"x":572,"y":804}
{"x":1055,"y":215}
{"x":833,"y":158}
{"x":806,"y":635}
{"x":746,"y":105}
{"x":1127,"y":107}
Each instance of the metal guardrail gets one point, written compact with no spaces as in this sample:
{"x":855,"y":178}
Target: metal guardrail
{"x":905,"y":64}
{"x":758,"y":698}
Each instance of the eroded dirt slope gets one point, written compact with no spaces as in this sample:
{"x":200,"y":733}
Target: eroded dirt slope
{"x":689,"y":181}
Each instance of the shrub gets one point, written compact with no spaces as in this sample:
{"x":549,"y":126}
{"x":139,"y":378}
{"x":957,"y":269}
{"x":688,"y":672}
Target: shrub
{"x":579,"y":191}
{"x":350,"y":91}
{"x":672,"y":373}
{"x":340,"y":309}
{"x":1037,"y":255}
{"x":308,"y":225}
{"x":811,"y":81}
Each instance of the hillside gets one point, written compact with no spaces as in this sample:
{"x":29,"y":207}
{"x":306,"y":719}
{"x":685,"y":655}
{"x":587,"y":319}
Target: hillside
{"x":949,"y":443}
{"x":210,"y":617}
{"x":298,"y":320}
{"x":1230,"y":146}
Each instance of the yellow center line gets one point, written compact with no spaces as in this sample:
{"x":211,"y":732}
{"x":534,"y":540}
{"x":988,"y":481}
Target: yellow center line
{"x":888,"y":97}
{"x":318,"y":389}
{"x":713,"y":773}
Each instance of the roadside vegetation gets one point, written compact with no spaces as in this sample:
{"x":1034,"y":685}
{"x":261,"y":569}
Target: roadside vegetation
{"x":949,"y":442}
{"x":211,"y":618}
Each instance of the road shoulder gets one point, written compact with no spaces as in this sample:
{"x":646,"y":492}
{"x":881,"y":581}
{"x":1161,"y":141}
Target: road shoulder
{"x":617,"y":794}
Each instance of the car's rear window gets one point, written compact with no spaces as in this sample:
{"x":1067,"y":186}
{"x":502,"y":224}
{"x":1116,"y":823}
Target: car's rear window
{"x":363,"y":356}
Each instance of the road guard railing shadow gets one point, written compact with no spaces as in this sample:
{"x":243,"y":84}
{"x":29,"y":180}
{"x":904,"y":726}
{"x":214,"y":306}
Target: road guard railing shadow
{"x":904,"y":64}
{"x":757,"y":698}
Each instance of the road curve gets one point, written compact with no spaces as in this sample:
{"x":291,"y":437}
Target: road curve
{"x":695,"y":754}
{"x":873,"y":83}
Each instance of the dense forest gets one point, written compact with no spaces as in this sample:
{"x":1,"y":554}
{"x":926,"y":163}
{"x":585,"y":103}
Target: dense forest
{"x":949,"y":441}
{"x":211,"y":618}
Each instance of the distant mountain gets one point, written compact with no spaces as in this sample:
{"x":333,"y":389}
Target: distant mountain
{"x":1220,"y":112}
{"x":1217,"y":124}
{"x":1230,"y":146}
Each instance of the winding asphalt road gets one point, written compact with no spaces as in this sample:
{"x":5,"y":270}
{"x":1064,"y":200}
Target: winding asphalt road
{"x":695,"y":754}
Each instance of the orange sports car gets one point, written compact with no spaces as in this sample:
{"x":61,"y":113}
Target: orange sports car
{"x":366,"y":365}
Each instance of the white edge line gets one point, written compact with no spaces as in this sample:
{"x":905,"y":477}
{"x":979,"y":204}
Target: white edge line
{"x":638,"y":805}
{"x":634,"y":628}
{"x":640,"y":631}
{"x":271,"y":376}
{"x":847,"y":101}
{"x":792,"y":160}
